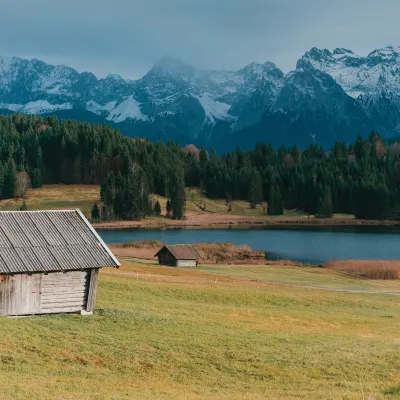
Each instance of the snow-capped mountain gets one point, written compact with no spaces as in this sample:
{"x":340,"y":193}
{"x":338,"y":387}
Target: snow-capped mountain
{"x":329,"y":96}
{"x":373,"y":80}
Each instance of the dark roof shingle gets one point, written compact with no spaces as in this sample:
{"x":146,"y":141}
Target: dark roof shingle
{"x":182,"y":251}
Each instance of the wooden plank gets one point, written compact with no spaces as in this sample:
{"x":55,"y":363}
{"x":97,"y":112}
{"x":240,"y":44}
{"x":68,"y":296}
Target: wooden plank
{"x":77,"y":295}
{"x":56,"y":287}
{"x":61,"y":310}
{"x":63,"y":292}
{"x":56,"y":298}
{"x":63,"y":303}
{"x":66,"y":280}
{"x":91,"y":300}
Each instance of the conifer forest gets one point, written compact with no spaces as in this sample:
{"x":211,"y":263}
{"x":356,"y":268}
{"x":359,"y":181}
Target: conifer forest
{"x":362,"y":178}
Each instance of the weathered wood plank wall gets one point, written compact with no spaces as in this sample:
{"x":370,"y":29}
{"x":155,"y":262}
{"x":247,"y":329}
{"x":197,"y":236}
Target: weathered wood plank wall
{"x":24,"y":294}
{"x":62,"y":291}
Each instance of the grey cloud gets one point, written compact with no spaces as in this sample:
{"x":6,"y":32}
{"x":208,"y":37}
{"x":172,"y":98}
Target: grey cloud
{"x":128,"y":37}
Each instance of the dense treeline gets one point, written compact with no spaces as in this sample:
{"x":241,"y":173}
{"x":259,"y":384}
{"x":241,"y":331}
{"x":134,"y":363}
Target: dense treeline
{"x":363,"y":178}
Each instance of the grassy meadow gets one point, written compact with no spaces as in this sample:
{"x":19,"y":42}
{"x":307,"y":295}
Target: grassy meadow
{"x":53,"y":197}
{"x":216,"y":210}
{"x":164,"y":333}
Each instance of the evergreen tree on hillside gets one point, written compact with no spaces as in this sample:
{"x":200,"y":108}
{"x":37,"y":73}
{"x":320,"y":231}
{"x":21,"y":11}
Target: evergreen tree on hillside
{"x":157,"y":208}
{"x":9,"y":180}
{"x":95,"y":214}
{"x":255,"y":189}
{"x":275,"y":206}
{"x":203,"y":157}
{"x":176,"y":193}
{"x":325,"y":206}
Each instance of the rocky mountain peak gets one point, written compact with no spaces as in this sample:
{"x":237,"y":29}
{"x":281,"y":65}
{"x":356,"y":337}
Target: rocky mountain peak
{"x":328,"y":92}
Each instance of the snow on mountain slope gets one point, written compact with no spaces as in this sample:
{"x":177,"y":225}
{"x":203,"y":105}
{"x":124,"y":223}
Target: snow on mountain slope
{"x":98,"y":109}
{"x":328,"y":94}
{"x":214,"y":110}
{"x":129,"y":109}
{"x":379,"y":71}
{"x":36,"y":107}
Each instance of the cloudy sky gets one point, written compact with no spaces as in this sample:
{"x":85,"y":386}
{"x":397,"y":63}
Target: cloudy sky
{"x":129,"y":36}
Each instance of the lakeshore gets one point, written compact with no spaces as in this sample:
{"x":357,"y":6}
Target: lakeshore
{"x":222,"y":221}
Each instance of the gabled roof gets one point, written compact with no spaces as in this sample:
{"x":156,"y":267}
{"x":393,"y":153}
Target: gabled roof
{"x":50,"y":241}
{"x":182,"y":251}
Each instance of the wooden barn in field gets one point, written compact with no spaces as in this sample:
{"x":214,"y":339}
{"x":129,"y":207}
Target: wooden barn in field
{"x":49,"y":262}
{"x":179,"y":255}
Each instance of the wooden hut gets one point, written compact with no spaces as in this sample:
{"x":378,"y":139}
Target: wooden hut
{"x":179,"y":255}
{"x":49,"y":262}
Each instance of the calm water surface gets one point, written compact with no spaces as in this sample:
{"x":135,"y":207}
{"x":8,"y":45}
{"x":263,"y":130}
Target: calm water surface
{"x":306,"y":245}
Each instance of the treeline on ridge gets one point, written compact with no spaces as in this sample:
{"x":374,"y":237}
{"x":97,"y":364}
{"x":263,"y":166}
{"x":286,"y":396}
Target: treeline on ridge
{"x":361,"y":179}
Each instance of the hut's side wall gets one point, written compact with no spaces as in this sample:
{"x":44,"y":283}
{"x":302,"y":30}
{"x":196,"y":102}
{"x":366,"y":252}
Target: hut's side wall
{"x":24,"y":294}
{"x":65,"y":292}
{"x":166,"y":258}
{"x":186,"y":263}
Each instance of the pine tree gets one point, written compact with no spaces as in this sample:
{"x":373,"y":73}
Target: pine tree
{"x":203,"y":157}
{"x":37,"y":180}
{"x":95,"y":212}
{"x":255,"y":189}
{"x":325,"y":206}
{"x":9,"y":180}
{"x":23,"y":207}
{"x":275,"y":206}
{"x":157,"y":208}
{"x":176,"y":193}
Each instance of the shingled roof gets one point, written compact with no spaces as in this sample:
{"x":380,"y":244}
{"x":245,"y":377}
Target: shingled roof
{"x":182,"y":251}
{"x":50,"y":241}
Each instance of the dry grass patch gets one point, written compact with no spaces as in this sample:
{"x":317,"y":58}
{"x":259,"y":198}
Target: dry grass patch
{"x":228,"y":253}
{"x":57,"y":197}
{"x":212,"y":253}
{"x":372,"y":269}
{"x":141,"y":244}
{"x":167,"y":340}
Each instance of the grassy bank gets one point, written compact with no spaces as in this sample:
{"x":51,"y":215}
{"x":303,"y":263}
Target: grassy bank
{"x":155,"y":338}
{"x":214,"y":215}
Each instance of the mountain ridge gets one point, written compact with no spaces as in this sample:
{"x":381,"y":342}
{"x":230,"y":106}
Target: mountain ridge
{"x":331,"y":95}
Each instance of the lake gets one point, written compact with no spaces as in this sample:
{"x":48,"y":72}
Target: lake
{"x":308,"y":245}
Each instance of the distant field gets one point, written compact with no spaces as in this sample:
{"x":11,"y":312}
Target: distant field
{"x":305,"y":276}
{"x":163,"y":333}
{"x":57,"y":197}
{"x":216,"y":211}
{"x":195,"y":200}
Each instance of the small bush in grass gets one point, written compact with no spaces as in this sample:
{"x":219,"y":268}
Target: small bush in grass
{"x":372,"y":269}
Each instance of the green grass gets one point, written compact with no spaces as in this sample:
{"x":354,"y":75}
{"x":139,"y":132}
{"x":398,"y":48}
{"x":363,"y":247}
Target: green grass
{"x":167,"y":340}
{"x":195,"y":199}
{"x":84,"y":196}
{"x":57,"y":197}
{"x":303,"y":276}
